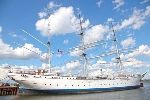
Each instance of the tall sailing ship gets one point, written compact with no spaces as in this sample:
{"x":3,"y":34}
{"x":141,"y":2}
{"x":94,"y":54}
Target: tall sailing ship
{"x":55,"y":83}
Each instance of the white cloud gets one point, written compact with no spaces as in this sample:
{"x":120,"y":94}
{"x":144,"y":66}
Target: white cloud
{"x":133,"y":62}
{"x":52,"y":5}
{"x":128,"y":42}
{"x":76,"y":52}
{"x":104,"y":72}
{"x":112,"y":48}
{"x":67,"y":68}
{"x":97,"y":65}
{"x":95,"y":33}
{"x":45,"y":66}
{"x":110,"y":19}
{"x":136,"y":20}
{"x":42,"y":14}
{"x":78,"y":11}
{"x":5,"y":66}
{"x":29,"y":53}
{"x":23,"y":38}
{"x":143,"y":49}
{"x":147,"y":12}
{"x":146,"y":51}
{"x":66,"y":41}
{"x":144,"y":1}
{"x":46,"y":11}
{"x":70,"y":66}
{"x":130,"y":58}
{"x":58,"y":55}
{"x":61,"y":22}
{"x":118,"y":3}
{"x":6,"y":51}
{"x":17,"y":36}
{"x":13,"y":34}
{"x":0,"y":29}
{"x":99,"y":3}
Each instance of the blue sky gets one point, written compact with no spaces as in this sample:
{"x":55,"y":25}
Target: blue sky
{"x":131,"y":21}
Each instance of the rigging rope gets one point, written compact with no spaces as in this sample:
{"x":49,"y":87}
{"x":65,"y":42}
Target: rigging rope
{"x":30,"y":50}
{"x":34,"y":37}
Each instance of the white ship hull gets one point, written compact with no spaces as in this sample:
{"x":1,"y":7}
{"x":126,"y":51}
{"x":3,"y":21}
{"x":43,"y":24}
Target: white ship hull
{"x":57,"y":84}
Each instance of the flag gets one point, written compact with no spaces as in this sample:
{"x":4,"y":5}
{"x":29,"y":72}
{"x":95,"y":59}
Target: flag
{"x":60,"y":51}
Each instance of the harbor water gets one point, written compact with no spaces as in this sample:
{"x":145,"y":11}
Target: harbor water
{"x":142,"y":93}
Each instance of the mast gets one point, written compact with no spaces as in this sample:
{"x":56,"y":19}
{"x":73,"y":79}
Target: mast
{"x":117,"y":51}
{"x":48,"y":49}
{"x":83,"y":50}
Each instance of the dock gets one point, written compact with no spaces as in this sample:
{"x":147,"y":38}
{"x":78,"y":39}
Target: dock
{"x":8,"y":90}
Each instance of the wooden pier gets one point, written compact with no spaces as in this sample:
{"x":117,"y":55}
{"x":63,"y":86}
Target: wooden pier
{"x":8,"y":90}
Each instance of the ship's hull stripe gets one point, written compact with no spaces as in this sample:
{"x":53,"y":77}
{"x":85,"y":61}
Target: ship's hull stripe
{"x":85,"y":90}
